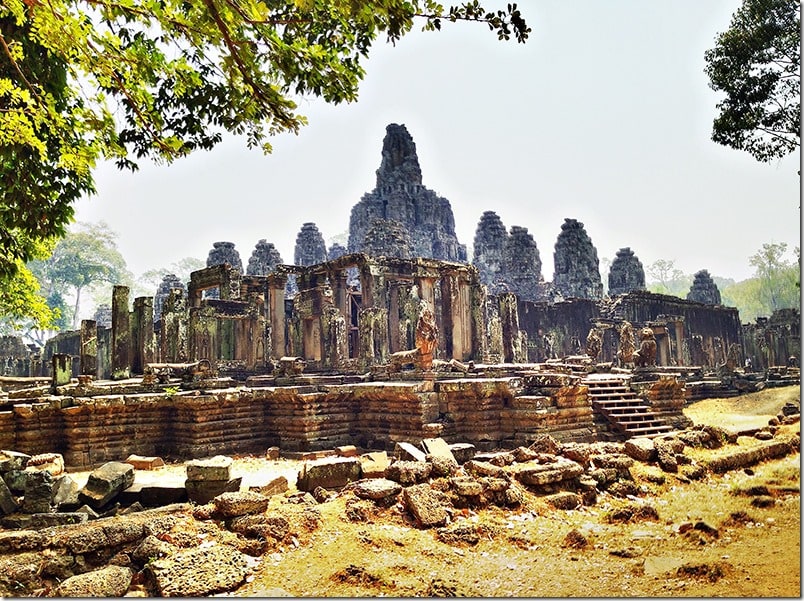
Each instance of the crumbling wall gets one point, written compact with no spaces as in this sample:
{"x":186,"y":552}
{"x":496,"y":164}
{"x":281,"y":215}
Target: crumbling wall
{"x":566,"y":326}
{"x":772,"y":341}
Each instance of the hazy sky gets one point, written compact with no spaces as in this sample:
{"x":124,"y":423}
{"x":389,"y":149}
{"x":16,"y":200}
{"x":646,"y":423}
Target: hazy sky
{"x":604,"y":116}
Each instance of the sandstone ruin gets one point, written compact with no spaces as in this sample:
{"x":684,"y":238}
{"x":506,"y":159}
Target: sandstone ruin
{"x":311,"y":355}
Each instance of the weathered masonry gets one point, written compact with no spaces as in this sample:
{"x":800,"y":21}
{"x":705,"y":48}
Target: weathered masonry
{"x":350,"y":314}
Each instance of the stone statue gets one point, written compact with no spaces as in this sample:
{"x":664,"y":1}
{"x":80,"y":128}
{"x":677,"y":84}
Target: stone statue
{"x":420,"y":357}
{"x":593,"y":343}
{"x":426,"y":335}
{"x":646,"y":355}
{"x":625,"y":355}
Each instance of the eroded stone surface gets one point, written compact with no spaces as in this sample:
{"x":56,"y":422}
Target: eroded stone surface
{"x":626,"y":273}
{"x":198,"y":571}
{"x":110,"y":581}
{"x":577,"y":268}
{"x":704,"y":290}
{"x":400,"y":196}
{"x":264,"y":259}
{"x":310,"y":248}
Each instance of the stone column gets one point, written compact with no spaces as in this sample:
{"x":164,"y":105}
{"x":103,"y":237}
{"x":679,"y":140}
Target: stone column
{"x":276,"y":317}
{"x":61,"y":370}
{"x":142,"y":333}
{"x":509,"y":316}
{"x":89,"y":348}
{"x":121,"y":334}
{"x":173,"y":333}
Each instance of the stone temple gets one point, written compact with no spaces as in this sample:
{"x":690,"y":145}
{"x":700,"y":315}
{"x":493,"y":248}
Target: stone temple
{"x":577,"y":269}
{"x":703,"y":289}
{"x":400,"y":197}
{"x":626,"y":273}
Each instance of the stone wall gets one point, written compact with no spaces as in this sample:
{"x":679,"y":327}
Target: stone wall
{"x":92,"y":430}
{"x":773,"y":341}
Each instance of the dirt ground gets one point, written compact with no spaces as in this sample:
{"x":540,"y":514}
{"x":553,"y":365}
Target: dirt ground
{"x":711,"y":538}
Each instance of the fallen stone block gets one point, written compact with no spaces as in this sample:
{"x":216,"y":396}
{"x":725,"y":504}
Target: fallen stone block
{"x":539,"y":474}
{"x":466,"y":486}
{"x":105,"y":483}
{"x":641,"y":449}
{"x":373,"y":465}
{"x":111,"y":581}
{"x":462,"y":451}
{"x":408,"y":472}
{"x":49,"y":462}
{"x":203,"y":491}
{"x":272,"y":453}
{"x":12,"y":460}
{"x":15,"y":480}
{"x":437,"y":447}
{"x":7,"y":502}
{"x":376,"y":488}
{"x":277,"y":486}
{"x":217,"y":468}
{"x":65,"y":492}
{"x":427,"y":505}
{"x":198,"y":571}
{"x":347,"y":451}
{"x":48,"y":520}
{"x":234,"y":504}
{"x":144,"y":463}
{"x":157,"y":495}
{"x":750,"y":456}
{"x":407,"y":452}
{"x":38,"y":492}
{"x":330,"y":473}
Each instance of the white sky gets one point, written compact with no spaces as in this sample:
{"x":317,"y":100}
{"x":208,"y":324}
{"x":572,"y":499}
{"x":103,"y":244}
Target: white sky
{"x":604,"y":116}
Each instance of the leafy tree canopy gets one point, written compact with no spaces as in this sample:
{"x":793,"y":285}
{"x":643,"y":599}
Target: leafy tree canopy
{"x":83,"y":80}
{"x":757,"y":64}
{"x":85,"y":257}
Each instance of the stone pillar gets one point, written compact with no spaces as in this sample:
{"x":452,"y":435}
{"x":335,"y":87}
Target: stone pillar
{"x":121,"y":334}
{"x":89,"y":348}
{"x":276,"y":316}
{"x":509,"y":316}
{"x":61,"y":370}
{"x":173,"y":333}
{"x":142,"y":333}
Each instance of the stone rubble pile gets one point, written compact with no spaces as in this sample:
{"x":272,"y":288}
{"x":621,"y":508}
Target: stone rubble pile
{"x":99,"y":540}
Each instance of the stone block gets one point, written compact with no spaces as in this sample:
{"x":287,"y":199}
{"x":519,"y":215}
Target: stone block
{"x":217,"y":469}
{"x":377,"y":489}
{"x":15,"y":480}
{"x":277,"y":486}
{"x":203,"y":491}
{"x":65,"y":491}
{"x":642,"y":449}
{"x":50,"y":462}
{"x":7,"y":502}
{"x":144,"y":463}
{"x":408,"y":452}
{"x":408,"y":472}
{"x":38,"y":492}
{"x":347,"y":451}
{"x":110,"y":581}
{"x":540,"y":474}
{"x":234,"y":504}
{"x":374,"y":464}
{"x":466,"y":486}
{"x":328,"y":473}
{"x":198,"y":571}
{"x":105,"y":483}
{"x":437,"y":447}
{"x":272,"y":453}
{"x":48,"y":520}
{"x":426,"y":505}
{"x":462,"y":451}
{"x":12,"y":460}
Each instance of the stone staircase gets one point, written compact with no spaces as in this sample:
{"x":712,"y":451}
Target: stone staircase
{"x":626,"y":414}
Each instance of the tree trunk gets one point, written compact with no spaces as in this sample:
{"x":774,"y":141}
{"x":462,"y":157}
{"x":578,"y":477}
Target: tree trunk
{"x":77,"y":306}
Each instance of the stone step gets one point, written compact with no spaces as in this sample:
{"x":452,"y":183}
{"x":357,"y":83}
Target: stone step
{"x":647,"y":430}
{"x":613,"y":395}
